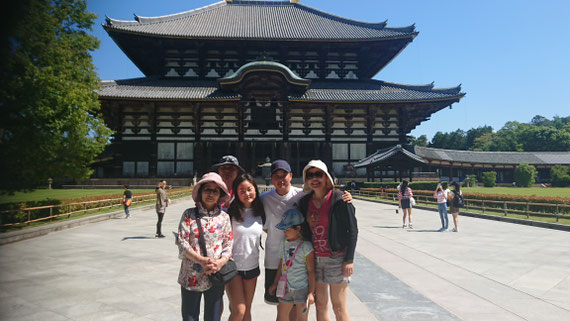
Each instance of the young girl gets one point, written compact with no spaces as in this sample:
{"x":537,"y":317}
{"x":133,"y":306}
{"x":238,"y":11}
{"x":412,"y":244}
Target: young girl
{"x":297,"y":265}
{"x":247,"y":215}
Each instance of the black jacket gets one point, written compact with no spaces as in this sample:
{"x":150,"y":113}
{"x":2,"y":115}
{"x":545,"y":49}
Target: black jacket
{"x":343,"y":230}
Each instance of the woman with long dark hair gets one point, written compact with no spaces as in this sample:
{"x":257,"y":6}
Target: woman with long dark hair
{"x":452,"y":209}
{"x":247,"y":216}
{"x":404,"y":196}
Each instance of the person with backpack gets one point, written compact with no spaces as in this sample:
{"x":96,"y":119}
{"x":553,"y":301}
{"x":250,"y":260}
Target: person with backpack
{"x":127,"y":200}
{"x":456,"y":200}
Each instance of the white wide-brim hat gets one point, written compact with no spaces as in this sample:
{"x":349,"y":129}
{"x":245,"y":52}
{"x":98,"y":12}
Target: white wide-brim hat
{"x":316,"y":163}
{"x":215,"y":178}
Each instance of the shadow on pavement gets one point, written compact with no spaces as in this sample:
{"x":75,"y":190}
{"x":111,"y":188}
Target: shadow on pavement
{"x":136,"y":238}
{"x":388,"y":227}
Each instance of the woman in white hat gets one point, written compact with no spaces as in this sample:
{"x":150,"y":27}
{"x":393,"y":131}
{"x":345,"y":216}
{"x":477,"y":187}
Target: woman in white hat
{"x":332,"y":223}
{"x":209,"y":193}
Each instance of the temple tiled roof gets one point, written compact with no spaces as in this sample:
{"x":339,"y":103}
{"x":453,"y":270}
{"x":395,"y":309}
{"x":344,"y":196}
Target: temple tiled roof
{"x":260,"y":20}
{"x":506,"y":158}
{"x":330,"y":90}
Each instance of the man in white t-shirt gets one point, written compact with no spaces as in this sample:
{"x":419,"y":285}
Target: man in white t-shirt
{"x":275,"y":202}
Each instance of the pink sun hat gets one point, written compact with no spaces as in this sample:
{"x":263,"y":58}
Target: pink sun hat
{"x":215,"y":178}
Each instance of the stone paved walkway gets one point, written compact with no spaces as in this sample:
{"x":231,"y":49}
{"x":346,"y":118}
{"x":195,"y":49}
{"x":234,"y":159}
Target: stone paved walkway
{"x":117,"y":270}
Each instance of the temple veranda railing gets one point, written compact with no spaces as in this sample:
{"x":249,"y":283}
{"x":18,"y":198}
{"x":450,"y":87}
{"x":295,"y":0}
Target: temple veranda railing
{"x":28,"y":215}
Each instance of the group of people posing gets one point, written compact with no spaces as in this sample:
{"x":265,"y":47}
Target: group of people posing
{"x":446,"y":202}
{"x":309,"y":249}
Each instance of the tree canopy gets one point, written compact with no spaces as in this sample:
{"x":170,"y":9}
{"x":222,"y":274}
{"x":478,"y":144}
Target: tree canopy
{"x":51,"y":124}
{"x":540,"y":134}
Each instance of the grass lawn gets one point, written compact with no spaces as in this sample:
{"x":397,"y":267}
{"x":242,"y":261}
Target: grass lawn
{"x":538,"y":191}
{"x":44,"y":194}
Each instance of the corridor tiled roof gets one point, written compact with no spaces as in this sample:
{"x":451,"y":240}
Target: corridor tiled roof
{"x":385,"y":154}
{"x":262,"y":20}
{"x":330,"y":90}
{"x":506,"y":158}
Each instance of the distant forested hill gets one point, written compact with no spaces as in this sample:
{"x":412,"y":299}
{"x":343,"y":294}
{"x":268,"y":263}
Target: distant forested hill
{"x":540,"y":134}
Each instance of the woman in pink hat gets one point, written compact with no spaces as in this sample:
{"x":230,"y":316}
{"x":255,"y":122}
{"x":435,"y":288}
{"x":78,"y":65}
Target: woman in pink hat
{"x":209,"y":193}
{"x":334,"y":231}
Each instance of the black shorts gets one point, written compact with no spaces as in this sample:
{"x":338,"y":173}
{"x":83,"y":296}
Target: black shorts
{"x":269,"y":278}
{"x":406,"y":203}
{"x":250,"y":275}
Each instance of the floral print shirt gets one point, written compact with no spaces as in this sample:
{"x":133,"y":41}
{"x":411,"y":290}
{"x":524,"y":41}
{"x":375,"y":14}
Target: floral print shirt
{"x":218,"y":238}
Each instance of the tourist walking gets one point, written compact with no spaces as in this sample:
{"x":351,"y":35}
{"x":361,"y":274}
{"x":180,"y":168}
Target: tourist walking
{"x":228,"y":168}
{"x":276,"y":202}
{"x":404,"y":197}
{"x":127,"y":200}
{"x":440,"y":195}
{"x":162,"y":202}
{"x":294,"y":284}
{"x":209,"y":193}
{"x":248,"y":216}
{"x":334,"y":232}
{"x":454,"y":208}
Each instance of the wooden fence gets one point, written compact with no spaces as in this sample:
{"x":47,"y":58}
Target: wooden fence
{"x":29,"y":215}
{"x":503,"y":207}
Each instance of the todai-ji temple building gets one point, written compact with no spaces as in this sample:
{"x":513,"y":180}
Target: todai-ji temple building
{"x":258,"y":79}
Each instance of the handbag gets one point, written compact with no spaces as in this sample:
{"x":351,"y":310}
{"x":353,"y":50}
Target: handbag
{"x":128,"y":202}
{"x":282,"y":283}
{"x":412,"y":201}
{"x":226,"y":272}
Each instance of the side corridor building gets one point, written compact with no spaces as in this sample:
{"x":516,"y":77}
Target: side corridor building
{"x":257,"y":79}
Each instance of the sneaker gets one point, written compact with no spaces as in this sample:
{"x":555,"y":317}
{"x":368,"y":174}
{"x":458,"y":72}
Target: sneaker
{"x":441,"y":230}
{"x":404,"y":226}
{"x":161,"y":236}
{"x":454,"y":230}
{"x":127,"y":216}
{"x":411,"y":227}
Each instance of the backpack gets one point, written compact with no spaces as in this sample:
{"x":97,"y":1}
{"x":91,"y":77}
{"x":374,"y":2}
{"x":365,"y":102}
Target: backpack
{"x":457,"y":200}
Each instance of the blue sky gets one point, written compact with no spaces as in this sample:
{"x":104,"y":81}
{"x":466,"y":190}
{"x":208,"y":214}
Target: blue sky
{"x":511,"y":57}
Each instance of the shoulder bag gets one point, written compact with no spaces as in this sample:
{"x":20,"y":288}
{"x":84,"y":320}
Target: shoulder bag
{"x":228,"y":271}
{"x":282,"y":284}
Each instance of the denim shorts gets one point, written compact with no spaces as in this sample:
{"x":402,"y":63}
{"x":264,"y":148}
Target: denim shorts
{"x":329,"y":269}
{"x":295,"y":296}
{"x":250,"y":274}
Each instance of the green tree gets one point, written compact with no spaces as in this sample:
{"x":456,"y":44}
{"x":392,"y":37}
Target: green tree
{"x":475,"y":133}
{"x":420,"y":141}
{"x":525,"y":175}
{"x":51,"y":124}
{"x":560,"y":175}
{"x":489,"y":179}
